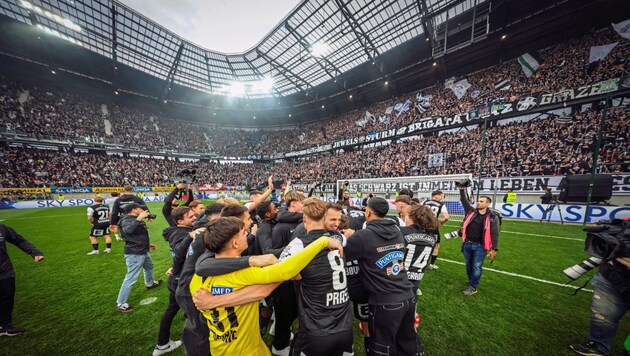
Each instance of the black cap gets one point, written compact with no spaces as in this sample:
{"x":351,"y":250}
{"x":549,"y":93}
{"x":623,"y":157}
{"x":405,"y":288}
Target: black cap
{"x":379,"y":206}
{"x":129,"y":207}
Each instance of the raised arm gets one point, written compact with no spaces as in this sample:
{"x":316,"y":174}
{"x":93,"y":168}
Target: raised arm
{"x":263,"y":196}
{"x":463,"y":198}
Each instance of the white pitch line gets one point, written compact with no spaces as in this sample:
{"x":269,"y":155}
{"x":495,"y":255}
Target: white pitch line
{"x":549,"y":236}
{"x":522,"y":276}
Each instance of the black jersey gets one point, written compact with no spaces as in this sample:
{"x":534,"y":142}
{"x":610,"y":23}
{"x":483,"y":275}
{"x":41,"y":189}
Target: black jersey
{"x":322,"y":294}
{"x":100,"y":215}
{"x":419,"y":245}
{"x":435,"y":206}
{"x":356,"y":219}
{"x":120,"y":203}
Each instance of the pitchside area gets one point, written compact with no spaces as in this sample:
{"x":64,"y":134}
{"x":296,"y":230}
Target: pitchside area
{"x":67,"y":302}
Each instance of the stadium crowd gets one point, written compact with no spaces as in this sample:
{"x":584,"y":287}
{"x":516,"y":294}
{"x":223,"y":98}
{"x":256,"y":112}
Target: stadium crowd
{"x":49,"y":111}
{"x":549,"y":146}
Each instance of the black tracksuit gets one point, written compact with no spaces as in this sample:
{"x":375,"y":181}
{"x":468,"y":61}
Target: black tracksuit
{"x":7,"y":274}
{"x":167,"y":209}
{"x":284,"y":296}
{"x":179,"y":240}
{"x":380,"y":251}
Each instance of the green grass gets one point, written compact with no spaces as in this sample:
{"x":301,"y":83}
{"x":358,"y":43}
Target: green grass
{"x":67,"y":301}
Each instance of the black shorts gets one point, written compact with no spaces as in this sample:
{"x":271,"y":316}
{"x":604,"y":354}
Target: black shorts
{"x":361,"y":310}
{"x":337,"y":344}
{"x":99,"y":231}
{"x":436,"y":231}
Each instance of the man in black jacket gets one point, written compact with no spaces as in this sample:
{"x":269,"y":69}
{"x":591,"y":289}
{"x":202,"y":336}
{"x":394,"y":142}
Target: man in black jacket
{"x":480,"y":236}
{"x":118,"y":208}
{"x":7,"y":277}
{"x":136,"y":235}
{"x":179,"y":239}
{"x":171,"y":202}
{"x":380,"y":252}
{"x":284,"y":295}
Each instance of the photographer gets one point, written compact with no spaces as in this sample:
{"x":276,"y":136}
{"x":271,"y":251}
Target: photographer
{"x":171,"y":202}
{"x":137,"y":246}
{"x":480,"y":235}
{"x":611,"y":301}
{"x":121,"y":202}
{"x":547,"y":197}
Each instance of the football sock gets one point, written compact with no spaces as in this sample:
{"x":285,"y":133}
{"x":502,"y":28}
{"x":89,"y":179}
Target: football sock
{"x":109,"y":245}
{"x":95,"y":247}
{"x":433,"y":258}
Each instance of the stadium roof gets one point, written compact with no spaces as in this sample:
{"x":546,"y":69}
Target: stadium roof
{"x":316,"y":42}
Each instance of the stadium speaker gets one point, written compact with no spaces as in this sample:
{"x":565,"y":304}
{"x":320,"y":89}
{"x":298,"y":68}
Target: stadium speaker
{"x":574,"y":188}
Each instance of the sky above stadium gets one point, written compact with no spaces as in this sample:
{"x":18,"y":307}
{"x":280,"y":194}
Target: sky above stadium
{"x":226,"y":26}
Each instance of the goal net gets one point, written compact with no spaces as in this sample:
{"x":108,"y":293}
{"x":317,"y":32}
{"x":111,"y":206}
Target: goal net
{"x":421,"y":186}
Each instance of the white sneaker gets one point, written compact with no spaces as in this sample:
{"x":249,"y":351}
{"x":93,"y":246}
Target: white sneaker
{"x":284,"y":352}
{"x":108,"y":250}
{"x":94,"y":252}
{"x":433,"y":267}
{"x":161,"y":350}
{"x":418,"y":292}
{"x":118,"y":238}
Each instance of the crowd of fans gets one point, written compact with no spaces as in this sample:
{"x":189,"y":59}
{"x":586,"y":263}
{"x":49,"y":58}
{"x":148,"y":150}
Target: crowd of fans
{"x":48,"y":111}
{"x":549,"y":146}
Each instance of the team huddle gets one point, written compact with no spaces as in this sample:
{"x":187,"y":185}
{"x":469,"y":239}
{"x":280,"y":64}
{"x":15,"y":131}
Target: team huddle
{"x":307,"y":260}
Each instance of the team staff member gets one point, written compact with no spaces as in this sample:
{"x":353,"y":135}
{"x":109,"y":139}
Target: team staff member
{"x":137,"y":257}
{"x":437,"y":207}
{"x":380,"y":251}
{"x":7,"y":277}
{"x":322,"y":292}
{"x":234,"y":331}
{"x":480,"y":233}
{"x":98,"y":216}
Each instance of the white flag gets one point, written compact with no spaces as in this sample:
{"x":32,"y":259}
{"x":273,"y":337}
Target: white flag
{"x":460,"y":88}
{"x":389,"y":110}
{"x":623,"y":29}
{"x":368,"y":116}
{"x":600,"y":52}
{"x":402,"y":108}
{"x":529,"y":64}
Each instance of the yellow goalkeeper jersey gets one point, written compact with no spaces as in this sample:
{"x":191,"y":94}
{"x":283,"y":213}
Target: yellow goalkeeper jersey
{"x":235,"y":330}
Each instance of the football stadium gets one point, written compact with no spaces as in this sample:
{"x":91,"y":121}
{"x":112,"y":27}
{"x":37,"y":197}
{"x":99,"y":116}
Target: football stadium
{"x":310,"y":177}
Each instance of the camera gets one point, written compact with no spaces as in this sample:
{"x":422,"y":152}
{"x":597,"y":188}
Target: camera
{"x":152,"y":216}
{"x":346,"y":183}
{"x":464,"y":183}
{"x":454,"y":234}
{"x":606,"y":241}
{"x":576,"y":271}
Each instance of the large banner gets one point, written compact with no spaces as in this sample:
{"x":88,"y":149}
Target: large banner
{"x":569,"y":212}
{"x":500,"y":106}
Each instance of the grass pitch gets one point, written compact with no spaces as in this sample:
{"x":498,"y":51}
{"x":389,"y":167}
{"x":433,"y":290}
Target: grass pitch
{"x":67,"y":302}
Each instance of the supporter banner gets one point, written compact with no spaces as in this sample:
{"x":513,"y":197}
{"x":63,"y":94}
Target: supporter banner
{"x":501,"y":106}
{"x":570,"y":213}
{"x":520,"y":185}
{"x":72,"y":190}
{"x":63,"y":203}
{"x":536,"y":184}
{"x":25,"y":190}
{"x":106,"y":189}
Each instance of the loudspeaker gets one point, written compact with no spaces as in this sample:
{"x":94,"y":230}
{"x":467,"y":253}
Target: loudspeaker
{"x":575,"y":188}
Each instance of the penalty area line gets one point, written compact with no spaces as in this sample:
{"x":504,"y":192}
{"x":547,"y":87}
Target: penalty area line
{"x":522,"y":276}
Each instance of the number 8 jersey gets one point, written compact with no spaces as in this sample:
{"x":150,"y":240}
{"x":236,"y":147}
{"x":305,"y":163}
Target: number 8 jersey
{"x":322,"y":293}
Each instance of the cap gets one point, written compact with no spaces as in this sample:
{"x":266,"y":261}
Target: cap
{"x":129,"y":207}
